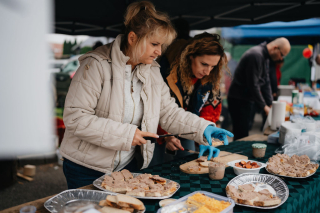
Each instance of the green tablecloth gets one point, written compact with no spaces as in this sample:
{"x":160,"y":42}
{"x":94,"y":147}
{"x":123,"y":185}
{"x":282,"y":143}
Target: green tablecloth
{"x":304,"y":193}
{"x":316,"y":118}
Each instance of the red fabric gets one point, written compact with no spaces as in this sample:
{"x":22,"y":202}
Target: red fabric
{"x":278,"y":74}
{"x":160,"y":131}
{"x":211,"y":114}
{"x":194,"y":80}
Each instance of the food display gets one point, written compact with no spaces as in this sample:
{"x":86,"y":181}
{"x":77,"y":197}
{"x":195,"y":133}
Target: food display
{"x":247,"y":165}
{"x":203,"y":163}
{"x":121,"y":204}
{"x":143,"y":185}
{"x":246,"y":194}
{"x":295,"y":166}
{"x":199,"y":202}
{"x":207,"y":204}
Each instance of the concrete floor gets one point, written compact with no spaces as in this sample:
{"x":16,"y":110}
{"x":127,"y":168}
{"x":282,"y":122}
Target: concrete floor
{"x":50,"y":180}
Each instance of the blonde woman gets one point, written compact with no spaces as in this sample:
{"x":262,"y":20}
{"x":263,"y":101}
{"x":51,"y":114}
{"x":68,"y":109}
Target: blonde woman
{"x":117,"y":97}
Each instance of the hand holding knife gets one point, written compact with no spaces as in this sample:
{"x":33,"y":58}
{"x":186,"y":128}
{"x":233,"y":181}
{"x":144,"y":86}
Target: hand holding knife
{"x":153,"y":140}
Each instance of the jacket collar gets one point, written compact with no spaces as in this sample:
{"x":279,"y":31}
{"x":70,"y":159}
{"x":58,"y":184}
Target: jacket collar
{"x":265,"y":51}
{"x":112,"y":52}
{"x":172,"y":79}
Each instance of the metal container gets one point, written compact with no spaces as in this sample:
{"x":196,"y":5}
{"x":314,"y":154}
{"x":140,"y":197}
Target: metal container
{"x":277,"y":185}
{"x":65,"y":198}
{"x":313,"y":162}
{"x":97,"y":183}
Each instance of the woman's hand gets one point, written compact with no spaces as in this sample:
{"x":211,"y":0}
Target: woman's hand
{"x":213,"y":152}
{"x":173,"y":143}
{"x":138,"y":137}
{"x":215,"y":132}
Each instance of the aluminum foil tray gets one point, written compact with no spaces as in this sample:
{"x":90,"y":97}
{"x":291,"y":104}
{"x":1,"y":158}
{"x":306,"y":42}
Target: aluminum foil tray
{"x":279,"y":187}
{"x":290,"y":176}
{"x":56,"y":203}
{"x":97,"y":183}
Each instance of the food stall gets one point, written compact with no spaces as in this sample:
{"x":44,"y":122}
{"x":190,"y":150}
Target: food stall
{"x":303,"y":194}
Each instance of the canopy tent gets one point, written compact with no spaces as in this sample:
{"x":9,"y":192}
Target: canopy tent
{"x":298,"y":32}
{"x":105,"y":17}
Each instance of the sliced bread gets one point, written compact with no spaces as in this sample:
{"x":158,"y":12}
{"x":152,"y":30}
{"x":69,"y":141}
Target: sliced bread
{"x":130,"y":201}
{"x":108,"y":209}
{"x":204,"y":164}
{"x":271,"y":202}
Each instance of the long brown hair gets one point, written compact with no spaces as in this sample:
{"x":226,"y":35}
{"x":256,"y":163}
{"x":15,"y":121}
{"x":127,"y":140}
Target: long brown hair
{"x":202,"y":44}
{"x":143,"y":19}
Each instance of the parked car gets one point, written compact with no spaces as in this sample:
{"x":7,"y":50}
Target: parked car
{"x":62,"y":79}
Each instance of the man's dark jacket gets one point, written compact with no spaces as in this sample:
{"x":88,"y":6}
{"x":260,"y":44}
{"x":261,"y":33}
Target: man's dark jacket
{"x":251,"y":78}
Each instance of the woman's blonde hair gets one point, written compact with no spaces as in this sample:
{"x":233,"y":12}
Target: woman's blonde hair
{"x":202,"y":44}
{"x":143,"y":19}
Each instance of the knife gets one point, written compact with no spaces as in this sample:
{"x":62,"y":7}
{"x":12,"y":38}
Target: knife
{"x":194,"y":152}
{"x":154,"y":140}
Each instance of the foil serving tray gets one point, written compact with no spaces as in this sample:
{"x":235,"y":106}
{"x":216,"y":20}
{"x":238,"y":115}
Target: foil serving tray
{"x":58,"y":202}
{"x":279,"y":187}
{"x":290,"y":176}
{"x":97,"y":183}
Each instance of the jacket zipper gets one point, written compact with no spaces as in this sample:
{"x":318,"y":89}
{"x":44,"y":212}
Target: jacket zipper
{"x":146,"y":126}
{"x":134,"y":106}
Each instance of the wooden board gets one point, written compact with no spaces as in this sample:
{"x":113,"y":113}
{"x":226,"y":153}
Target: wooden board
{"x":205,"y":170}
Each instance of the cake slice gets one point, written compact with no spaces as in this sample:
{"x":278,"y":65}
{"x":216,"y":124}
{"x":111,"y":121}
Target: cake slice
{"x":202,"y":159}
{"x":117,"y":176}
{"x":153,"y":193}
{"x":268,"y":202}
{"x":246,"y":188}
{"x":137,"y":192}
{"x":158,"y":179}
{"x":120,"y":187}
{"x":126,"y":174}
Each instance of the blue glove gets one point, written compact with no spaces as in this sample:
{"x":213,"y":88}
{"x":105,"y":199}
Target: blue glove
{"x":215,"y":132}
{"x":213,"y":151}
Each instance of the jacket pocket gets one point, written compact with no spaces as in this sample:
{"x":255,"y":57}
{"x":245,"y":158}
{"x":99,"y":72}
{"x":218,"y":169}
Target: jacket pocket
{"x":82,"y":145}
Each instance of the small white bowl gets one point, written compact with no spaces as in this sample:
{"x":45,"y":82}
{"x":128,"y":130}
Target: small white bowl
{"x":239,"y":171}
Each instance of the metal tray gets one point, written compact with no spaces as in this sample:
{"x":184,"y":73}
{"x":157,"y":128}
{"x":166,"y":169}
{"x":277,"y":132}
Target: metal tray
{"x":290,"y":176}
{"x":278,"y":185}
{"x":56,"y":203}
{"x":97,"y":183}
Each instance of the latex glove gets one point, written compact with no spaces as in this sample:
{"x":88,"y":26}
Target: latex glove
{"x":213,"y":151}
{"x":215,"y":132}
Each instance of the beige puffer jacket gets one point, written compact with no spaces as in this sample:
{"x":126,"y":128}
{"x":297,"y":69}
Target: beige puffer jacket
{"x":94,"y":110}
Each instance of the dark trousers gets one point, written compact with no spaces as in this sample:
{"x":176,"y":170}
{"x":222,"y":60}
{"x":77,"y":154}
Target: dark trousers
{"x":240,"y":113}
{"x":78,"y":176}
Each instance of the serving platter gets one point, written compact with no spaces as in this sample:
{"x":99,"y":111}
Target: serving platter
{"x":313,"y":162}
{"x":275,"y":185}
{"x":73,"y":196}
{"x":97,"y":183}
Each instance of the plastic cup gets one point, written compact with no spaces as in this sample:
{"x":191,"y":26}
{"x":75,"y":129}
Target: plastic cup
{"x":28,"y":209}
{"x":216,"y":170}
{"x":259,"y":150}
